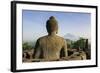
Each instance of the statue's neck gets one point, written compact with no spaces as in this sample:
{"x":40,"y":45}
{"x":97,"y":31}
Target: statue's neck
{"x":52,"y":34}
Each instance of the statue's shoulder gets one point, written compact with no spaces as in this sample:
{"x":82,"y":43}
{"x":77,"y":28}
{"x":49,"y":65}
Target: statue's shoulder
{"x":42,"y":38}
{"x":61,"y":38}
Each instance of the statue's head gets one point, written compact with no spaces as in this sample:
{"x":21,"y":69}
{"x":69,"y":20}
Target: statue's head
{"x":52,"y":25}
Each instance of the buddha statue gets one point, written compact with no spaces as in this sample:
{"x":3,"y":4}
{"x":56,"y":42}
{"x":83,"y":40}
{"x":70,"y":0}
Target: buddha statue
{"x":51,"y":47}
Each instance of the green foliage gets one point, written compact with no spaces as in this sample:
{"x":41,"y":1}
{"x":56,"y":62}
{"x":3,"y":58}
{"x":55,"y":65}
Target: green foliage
{"x":27,"y":46}
{"x":69,"y":43}
{"x":81,"y":43}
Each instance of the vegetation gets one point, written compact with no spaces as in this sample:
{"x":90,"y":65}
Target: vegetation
{"x":81,"y":43}
{"x":27,"y":46}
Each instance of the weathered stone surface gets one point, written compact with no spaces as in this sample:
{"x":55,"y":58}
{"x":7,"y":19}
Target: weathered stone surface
{"x":51,"y":47}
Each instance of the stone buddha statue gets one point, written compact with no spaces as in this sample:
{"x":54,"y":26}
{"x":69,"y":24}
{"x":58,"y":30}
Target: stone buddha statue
{"x":51,"y":47}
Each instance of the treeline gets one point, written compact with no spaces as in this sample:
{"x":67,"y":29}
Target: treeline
{"x":27,"y":46}
{"x":82,"y":44}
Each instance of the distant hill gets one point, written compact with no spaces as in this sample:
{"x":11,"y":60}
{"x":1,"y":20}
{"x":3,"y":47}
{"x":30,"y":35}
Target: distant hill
{"x":71,"y":37}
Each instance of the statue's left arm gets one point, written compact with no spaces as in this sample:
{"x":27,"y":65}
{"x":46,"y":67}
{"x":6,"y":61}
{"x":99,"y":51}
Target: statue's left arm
{"x":65,"y":49}
{"x":64,"y":52}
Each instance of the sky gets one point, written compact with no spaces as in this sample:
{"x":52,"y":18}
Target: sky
{"x":34,"y":23}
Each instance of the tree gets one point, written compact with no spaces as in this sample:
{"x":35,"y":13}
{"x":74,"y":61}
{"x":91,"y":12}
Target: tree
{"x":26,"y":46}
{"x":79,"y":44}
